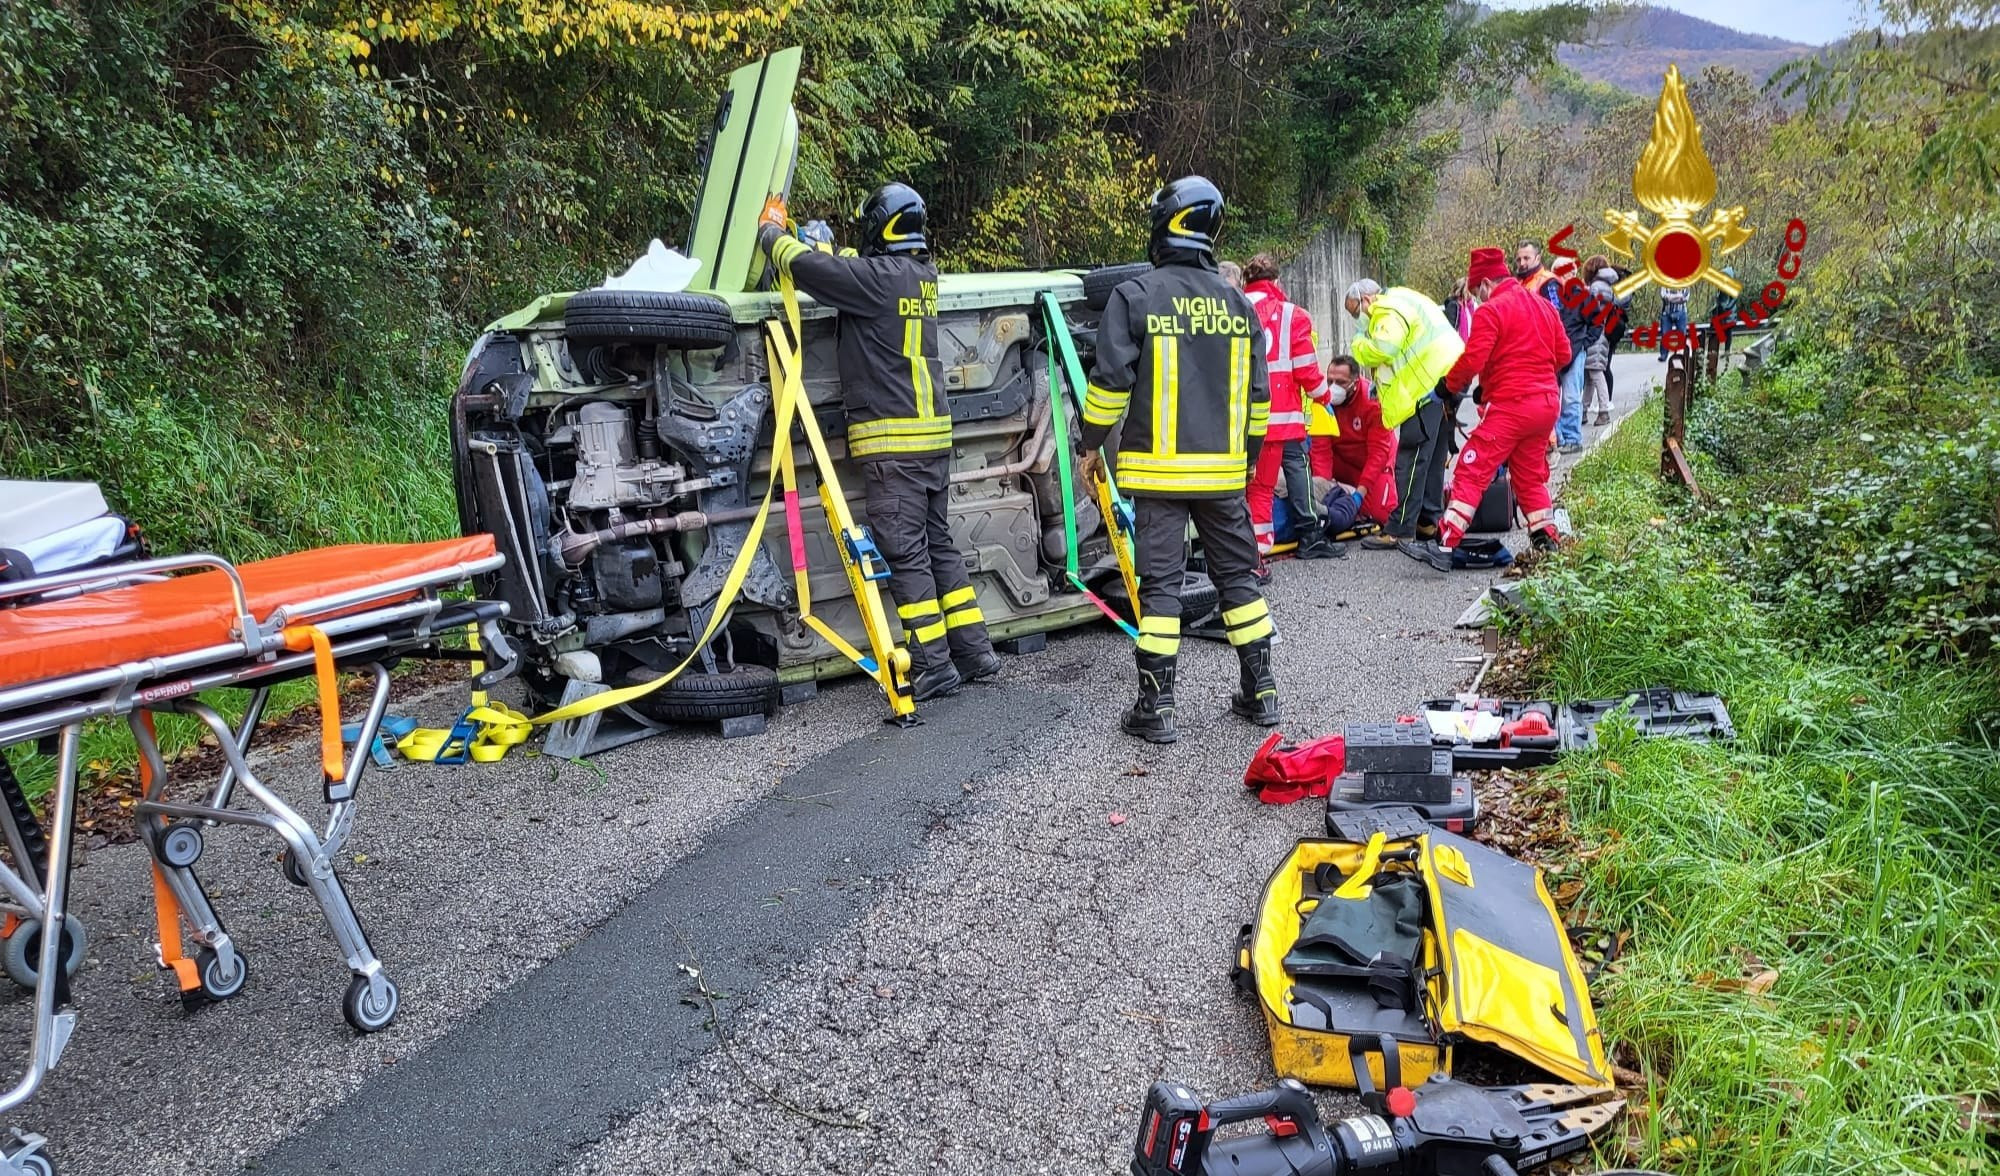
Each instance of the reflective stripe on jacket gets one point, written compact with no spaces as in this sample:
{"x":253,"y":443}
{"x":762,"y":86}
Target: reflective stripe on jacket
{"x":887,"y":349}
{"x":1294,"y":363}
{"x":1408,"y":336}
{"x":1183,"y":351}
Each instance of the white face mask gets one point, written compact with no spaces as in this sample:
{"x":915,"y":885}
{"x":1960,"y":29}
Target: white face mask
{"x":1340,"y":395}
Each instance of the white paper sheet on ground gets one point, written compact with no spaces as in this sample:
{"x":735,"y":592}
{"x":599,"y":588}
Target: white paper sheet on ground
{"x":1464,"y":726}
{"x":661,"y":269}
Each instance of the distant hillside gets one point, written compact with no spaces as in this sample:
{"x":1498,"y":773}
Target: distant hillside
{"x":1631,"y":48}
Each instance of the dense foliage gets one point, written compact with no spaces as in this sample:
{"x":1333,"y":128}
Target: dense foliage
{"x":244,"y":243}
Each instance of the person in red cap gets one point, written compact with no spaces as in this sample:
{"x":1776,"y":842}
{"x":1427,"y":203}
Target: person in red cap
{"x":1516,"y":351}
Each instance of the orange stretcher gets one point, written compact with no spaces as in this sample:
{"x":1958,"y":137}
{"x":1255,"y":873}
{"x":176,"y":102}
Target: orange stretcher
{"x":138,"y":638}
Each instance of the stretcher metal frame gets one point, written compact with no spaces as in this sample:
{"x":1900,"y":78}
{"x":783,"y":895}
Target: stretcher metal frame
{"x":370,"y":627}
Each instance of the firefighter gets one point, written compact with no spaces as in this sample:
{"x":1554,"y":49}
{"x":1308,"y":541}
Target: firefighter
{"x":1185,"y":351}
{"x":1517,"y":349}
{"x":1295,"y":376}
{"x":898,"y":425}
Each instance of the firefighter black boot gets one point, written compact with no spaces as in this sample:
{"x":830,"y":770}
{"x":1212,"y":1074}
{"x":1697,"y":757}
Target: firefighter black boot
{"x":1152,"y":717}
{"x":977,"y":666}
{"x":932,"y":675}
{"x":1257,"y":698}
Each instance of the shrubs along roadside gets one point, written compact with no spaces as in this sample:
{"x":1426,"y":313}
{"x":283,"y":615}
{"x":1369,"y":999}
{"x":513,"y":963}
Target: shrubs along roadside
{"x":1813,"y":979}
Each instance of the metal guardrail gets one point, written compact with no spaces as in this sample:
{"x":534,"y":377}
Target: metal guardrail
{"x":1688,"y":371}
{"x":1674,"y":465}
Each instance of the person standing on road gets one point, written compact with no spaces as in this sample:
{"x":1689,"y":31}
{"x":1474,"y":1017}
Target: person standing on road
{"x":1597,"y":358}
{"x":1576,"y":325}
{"x":1408,"y":343}
{"x":1673,"y":316}
{"x":1614,"y":331}
{"x":1184,"y":352}
{"x":1722,"y":312}
{"x":1517,"y":347}
{"x":898,"y":427}
{"x":1295,"y":377}
{"x":1361,"y":459}
{"x":1425,"y":479}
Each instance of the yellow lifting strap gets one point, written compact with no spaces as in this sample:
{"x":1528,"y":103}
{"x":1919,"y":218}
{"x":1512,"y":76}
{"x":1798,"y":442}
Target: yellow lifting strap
{"x":485,"y":732}
{"x":888,"y":664}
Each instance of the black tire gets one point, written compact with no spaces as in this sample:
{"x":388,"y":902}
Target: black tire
{"x":1099,"y":283}
{"x":1199,"y":596}
{"x":695,"y":697}
{"x":692,"y":322}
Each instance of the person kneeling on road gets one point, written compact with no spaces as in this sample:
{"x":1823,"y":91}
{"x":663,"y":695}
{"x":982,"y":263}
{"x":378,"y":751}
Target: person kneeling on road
{"x":1361,"y":460}
{"x":1183,"y":350}
{"x":1517,"y":348}
{"x":898,"y":428}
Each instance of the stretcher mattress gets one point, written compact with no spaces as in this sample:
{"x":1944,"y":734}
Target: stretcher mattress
{"x":191,"y":612}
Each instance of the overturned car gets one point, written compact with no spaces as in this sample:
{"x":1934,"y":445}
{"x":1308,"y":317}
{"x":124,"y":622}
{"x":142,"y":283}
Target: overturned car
{"x":619,"y":445}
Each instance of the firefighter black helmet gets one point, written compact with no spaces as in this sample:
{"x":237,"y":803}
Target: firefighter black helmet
{"x":1187,"y":217}
{"x":891,"y":220}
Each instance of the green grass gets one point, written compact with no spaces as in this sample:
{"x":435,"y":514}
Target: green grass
{"x":1843,"y":839}
{"x":248,"y":479}
{"x":108,"y":748}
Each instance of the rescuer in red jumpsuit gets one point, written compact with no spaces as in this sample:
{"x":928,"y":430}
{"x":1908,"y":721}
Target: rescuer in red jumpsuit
{"x":1295,"y":375}
{"x":1516,"y":351}
{"x":1362,"y":459}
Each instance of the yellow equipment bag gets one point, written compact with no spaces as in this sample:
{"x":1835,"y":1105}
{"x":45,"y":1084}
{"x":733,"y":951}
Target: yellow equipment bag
{"x":1432,"y":940}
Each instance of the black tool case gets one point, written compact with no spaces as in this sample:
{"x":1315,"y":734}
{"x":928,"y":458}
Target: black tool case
{"x":1399,"y":764}
{"x":1658,"y":712}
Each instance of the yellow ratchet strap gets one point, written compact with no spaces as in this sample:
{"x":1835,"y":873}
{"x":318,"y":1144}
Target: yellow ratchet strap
{"x":482,"y":735}
{"x":887,"y":663}
{"x":485,"y":732}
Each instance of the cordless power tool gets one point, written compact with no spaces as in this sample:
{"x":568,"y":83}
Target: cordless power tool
{"x":1442,"y":1128}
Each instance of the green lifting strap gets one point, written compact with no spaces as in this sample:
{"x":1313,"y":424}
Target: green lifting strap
{"x":1060,"y":345}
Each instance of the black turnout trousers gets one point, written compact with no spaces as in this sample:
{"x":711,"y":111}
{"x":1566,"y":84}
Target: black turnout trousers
{"x":907,"y":501}
{"x":1161,"y":555}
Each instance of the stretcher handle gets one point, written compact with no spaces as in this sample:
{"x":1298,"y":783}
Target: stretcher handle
{"x":126,"y":571}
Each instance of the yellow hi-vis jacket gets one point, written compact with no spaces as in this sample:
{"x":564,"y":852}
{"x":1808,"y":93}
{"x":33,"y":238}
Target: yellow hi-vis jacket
{"x":1409,"y":346}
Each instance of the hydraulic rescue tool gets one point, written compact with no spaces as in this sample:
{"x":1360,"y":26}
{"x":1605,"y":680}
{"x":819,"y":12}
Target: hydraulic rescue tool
{"x":1441,"y":1128}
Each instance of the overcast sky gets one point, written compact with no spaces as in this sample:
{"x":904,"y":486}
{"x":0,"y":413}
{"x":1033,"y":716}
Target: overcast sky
{"x":1813,"y":22}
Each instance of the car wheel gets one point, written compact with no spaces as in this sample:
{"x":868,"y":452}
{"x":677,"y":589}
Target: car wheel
{"x":691,"y":322}
{"x":1100,"y":282}
{"x":705,"y":698}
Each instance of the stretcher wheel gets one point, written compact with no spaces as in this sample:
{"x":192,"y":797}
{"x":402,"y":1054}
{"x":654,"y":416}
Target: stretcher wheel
{"x":25,"y":1157}
{"x":364,"y":1010}
{"x":216,"y":984}
{"x":22,"y":954}
{"x":180,"y":845}
{"x":647,"y":318}
{"x":290,"y":868}
{"x":1099,"y":283}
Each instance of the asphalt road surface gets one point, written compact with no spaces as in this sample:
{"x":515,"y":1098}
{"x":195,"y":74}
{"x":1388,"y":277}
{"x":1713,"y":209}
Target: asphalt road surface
{"x":836,"y":947}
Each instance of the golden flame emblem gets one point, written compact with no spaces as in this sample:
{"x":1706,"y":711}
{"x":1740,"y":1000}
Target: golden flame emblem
{"x":1675,"y":181}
